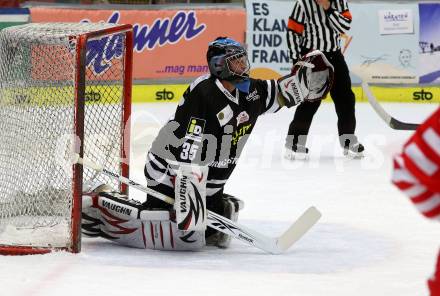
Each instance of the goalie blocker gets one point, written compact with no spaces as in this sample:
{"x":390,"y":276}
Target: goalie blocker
{"x":128,"y":222}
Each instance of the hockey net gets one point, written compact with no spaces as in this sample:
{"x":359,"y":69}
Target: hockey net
{"x":64,"y":87}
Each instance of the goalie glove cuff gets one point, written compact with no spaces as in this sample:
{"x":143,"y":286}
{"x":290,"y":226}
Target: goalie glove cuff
{"x":291,"y":91}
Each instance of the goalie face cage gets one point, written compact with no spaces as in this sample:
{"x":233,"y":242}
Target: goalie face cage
{"x":63,"y":87}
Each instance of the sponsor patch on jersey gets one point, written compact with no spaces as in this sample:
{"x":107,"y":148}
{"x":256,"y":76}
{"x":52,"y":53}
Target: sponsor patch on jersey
{"x":253,"y":96}
{"x":239,"y":133}
{"x":225,"y":115}
{"x":195,"y":128}
{"x":242,"y":118}
{"x":224,"y":163}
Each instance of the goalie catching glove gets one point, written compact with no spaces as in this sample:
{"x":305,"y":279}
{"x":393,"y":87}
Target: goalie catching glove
{"x":311,"y":79}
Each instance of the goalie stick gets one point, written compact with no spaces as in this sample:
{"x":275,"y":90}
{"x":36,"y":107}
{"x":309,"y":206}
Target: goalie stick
{"x":273,"y":245}
{"x":390,"y":121}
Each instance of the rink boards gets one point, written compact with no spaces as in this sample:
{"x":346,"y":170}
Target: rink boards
{"x":162,"y":93}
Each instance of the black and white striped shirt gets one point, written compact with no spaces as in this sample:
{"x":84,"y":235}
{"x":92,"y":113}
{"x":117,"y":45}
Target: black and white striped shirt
{"x":311,"y":27}
{"x":208,"y":111}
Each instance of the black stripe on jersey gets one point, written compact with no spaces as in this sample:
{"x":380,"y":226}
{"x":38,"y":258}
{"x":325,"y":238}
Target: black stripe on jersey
{"x":296,"y":14}
{"x":215,"y":185}
{"x":273,"y":89}
{"x":342,"y":5}
{"x":147,"y":175}
{"x":322,"y":28}
{"x":160,"y":170}
{"x":339,"y":21}
{"x":272,"y":104}
{"x":336,"y":24}
{"x":324,"y":32}
{"x":163,"y":181}
{"x":270,"y":97}
{"x":154,"y":158}
{"x":307,"y":42}
{"x":332,"y":39}
{"x":312,"y":34}
{"x":338,"y":5}
{"x":157,"y":169}
{"x":294,"y":45}
{"x":154,"y":173}
{"x":295,"y":40}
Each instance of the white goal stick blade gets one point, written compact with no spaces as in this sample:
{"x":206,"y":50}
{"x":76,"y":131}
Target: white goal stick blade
{"x":272,"y":245}
{"x":298,"y":228}
{"x":389,"y":120}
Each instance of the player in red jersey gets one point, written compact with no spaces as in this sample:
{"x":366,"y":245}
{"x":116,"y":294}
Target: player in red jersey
{"x":417,"y":174}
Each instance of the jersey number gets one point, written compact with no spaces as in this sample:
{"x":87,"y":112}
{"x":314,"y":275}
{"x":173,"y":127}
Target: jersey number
{"x":189,"y":151}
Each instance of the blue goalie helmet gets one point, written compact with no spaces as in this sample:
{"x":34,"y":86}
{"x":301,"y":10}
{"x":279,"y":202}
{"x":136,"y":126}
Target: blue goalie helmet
{"x":227,"y":60}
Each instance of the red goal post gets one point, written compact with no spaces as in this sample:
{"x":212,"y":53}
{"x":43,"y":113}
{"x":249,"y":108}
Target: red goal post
{"x":64,"y":87}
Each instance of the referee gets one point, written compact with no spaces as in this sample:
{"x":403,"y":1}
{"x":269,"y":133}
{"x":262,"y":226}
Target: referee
{"x":318,"y":24}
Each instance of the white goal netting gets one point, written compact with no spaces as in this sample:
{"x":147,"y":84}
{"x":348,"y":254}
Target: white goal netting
{"x":44,"y":82}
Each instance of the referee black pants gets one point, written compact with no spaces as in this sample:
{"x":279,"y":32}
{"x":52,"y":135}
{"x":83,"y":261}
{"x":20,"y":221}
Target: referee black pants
{"x":343,"y":98}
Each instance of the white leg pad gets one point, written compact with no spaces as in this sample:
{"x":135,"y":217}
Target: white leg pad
{"x":125,"y":222}
{"x":190,"y":197}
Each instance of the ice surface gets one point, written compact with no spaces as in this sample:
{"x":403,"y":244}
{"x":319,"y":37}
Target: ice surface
{"x":370,"y":240}
{"x":53,"y":231}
